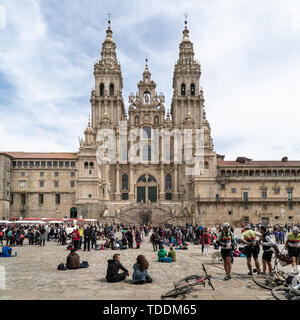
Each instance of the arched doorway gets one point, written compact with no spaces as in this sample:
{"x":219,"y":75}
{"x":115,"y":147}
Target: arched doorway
{"x":146,"y":189}
{"x":73,"y":213}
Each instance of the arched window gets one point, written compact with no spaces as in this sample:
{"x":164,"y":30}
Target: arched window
{"x":124,"y":182}
{"x":101,"y":89}
{"x":151,"y":179}
{"x":136,"y":120}
{"x":168,"y":182}
{"x":183,"y":89}
{"x":156,"y":120}
{"x":147,"y":153}
{"x":205,"y":165}
{"x":147,"y":132}
{"x":192,"y":89}
{"x":142,"y":179}
{"x":111,"y":89}
{"x":92,"y":164}
{"x":86,"y":165}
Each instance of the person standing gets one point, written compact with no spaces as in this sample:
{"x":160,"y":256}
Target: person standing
{"x":155,"y":239}
{"x":293,"y":245}
{"x":93,"y":238}
{"x":267,"y":245}
{"x":76,"y":239}
{"x":81,"y":230}
{"x":206,"y":241}
{"x":251,"y":248}
{"x":87,"y":238}
{"x":138,"y":238}
{"x":43,"y":235}
{"x":129,"y":238}
{"x":226,"y":241}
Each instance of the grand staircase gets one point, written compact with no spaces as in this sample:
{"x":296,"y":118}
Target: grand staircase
{"x":139,"y":213}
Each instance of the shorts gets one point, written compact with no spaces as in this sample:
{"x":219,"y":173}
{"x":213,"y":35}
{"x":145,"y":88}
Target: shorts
{"x":251,"y":251}
{"x":267,"y":255}
{"x":293,"y":252}
{"x":226,"y":253}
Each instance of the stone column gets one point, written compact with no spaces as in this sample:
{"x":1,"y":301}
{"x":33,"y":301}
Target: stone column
{"x":175,"y":182}
{"x":118,"y":194}
{"x":131,"y":184}
{"x":162,"y":183}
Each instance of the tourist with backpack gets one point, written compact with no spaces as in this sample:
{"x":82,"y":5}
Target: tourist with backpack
{"x":226,"y":241}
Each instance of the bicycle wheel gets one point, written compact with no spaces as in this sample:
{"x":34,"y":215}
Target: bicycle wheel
{"x":176,"y":292}
{"x":190,"y":281}
{"x":266,"y":282}
{"x":285,"y":293}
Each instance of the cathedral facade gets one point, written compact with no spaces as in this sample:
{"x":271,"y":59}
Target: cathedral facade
{"x":125,"y":172}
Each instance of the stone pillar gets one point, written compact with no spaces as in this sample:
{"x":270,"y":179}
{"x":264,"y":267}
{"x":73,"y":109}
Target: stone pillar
{"x":118,"y":194}
{"x":162,"y":183}
{"x":175,"y":182}
{"x":106,"y":191}
{"x":131,"y":184}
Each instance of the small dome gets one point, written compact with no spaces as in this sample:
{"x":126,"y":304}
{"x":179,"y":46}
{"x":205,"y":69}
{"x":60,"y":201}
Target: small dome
{"x":89,"y":129}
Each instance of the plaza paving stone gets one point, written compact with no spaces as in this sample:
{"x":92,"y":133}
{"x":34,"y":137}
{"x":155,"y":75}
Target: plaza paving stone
{"x":33,"y":275}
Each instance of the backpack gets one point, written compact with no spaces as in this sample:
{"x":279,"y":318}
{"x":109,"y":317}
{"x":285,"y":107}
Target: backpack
{"x":84,"y":264}
{"x":206,"y":240}
{"x":61,"y":267}
{"x":1,"y":234}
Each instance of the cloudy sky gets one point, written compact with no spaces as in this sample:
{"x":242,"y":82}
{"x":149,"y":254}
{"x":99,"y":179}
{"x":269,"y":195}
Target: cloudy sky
{"x":249,"y":53}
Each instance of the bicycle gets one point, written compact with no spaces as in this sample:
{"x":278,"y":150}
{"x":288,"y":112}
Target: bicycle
{"x":278,"y":277}
{"x":185,"y":285}
{"x":286,"y":293}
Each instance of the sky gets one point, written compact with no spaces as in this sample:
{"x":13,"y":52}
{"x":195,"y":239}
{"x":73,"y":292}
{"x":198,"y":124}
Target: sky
{"x":249,"y":53}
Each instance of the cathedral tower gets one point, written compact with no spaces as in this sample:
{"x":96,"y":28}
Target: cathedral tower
{"x":187,"y":95}
{"x":107,"y":94}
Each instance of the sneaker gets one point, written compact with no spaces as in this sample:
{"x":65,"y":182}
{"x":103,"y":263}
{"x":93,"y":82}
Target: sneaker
{"x":250,"y":274}
{"x":226,"y":277}
{"x":229,"y":276}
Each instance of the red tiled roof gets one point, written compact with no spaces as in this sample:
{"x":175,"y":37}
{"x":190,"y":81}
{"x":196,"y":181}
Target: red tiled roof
{"x":260,"y":163}
{"x":48,"y":155}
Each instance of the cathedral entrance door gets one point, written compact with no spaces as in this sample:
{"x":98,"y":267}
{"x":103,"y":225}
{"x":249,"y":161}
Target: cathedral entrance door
{"x":152,"y":194}
{"x":141,"y":194}
{"x":146,"y":189}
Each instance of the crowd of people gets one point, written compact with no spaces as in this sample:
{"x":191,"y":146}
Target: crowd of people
{"x":104,"y":237}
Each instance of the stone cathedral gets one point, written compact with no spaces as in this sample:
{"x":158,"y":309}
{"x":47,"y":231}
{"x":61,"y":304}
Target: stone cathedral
{"x":77,"y":185}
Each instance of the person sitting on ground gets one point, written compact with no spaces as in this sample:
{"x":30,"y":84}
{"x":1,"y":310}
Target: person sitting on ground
{"x":73,"y":261}
{"x":172,"y":254}
{"x":162,"y":255}
{"x":140,"y":274}
{"x":112,"y":273}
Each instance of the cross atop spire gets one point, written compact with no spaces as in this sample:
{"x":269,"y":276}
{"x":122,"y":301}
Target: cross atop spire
{"x":146,"y":62}
{"x":185,"y":21}
{"x":109,"y":15}
{"x":185,"y":31}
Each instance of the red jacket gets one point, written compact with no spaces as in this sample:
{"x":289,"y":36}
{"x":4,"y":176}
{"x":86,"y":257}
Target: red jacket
{"x":206,"y":235}
{"x":77,"y":235}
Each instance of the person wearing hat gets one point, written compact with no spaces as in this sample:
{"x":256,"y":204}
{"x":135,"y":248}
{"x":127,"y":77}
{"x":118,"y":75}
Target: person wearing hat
{"x":226,"y":241}
{"x":293,"y":245}
{"x":251,"y":248}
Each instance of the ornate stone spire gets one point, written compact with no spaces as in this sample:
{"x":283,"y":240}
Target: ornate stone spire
{"x":146,"y":73}
{"x":108,"y":53}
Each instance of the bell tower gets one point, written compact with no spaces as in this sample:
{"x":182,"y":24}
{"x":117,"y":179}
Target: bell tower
{"x":107,"y":94}
{"x":187,"y":94}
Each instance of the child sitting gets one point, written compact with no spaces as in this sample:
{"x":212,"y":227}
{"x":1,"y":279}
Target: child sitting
{"x":162,"y":255}
{"x":172,"y":254}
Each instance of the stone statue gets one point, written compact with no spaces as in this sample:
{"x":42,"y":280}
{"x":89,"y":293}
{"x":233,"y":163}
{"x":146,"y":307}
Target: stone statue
{"x":146,"y":98}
